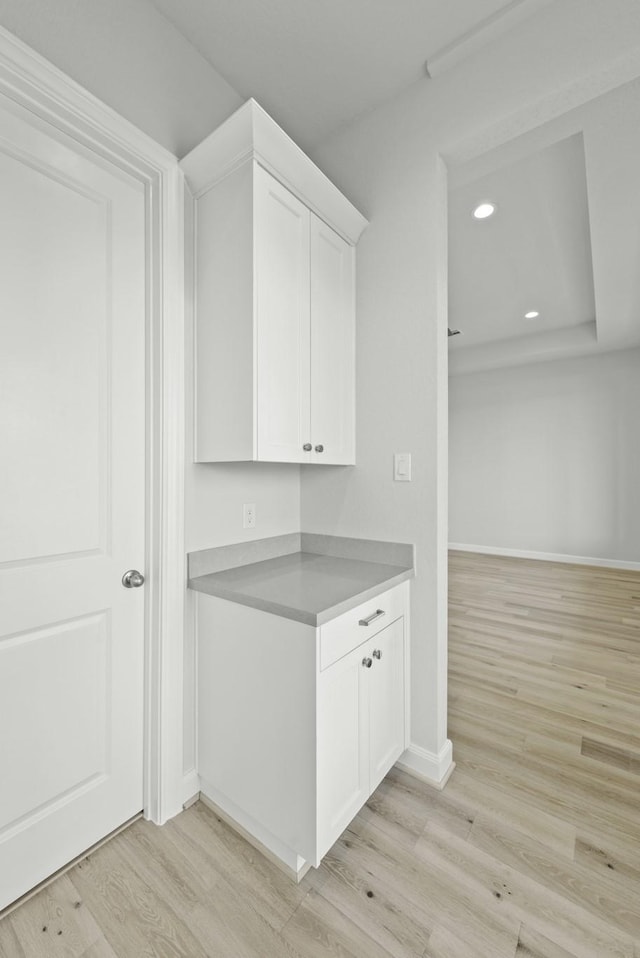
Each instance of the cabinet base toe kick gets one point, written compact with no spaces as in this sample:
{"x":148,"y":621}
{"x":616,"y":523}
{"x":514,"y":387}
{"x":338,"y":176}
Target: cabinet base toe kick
{"x":255,"y":833}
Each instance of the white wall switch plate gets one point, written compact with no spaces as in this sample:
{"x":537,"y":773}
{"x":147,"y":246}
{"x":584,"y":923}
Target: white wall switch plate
{"x":402,"y":467}
{"x":249,"y":515}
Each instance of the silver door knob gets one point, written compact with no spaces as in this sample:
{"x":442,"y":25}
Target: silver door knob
{"x":307,"y":447}
{"x":132,"y":579}
{"x":367,"y":662}
{"x":377,"y":654}
{"x":320,"y":448}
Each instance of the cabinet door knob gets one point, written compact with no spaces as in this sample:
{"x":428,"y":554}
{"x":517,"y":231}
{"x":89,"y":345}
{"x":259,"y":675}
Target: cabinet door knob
{"x":307,"y":447}
{"x":320,"y":448}
{"x":377,"y":654}
{"x":367,"y":662}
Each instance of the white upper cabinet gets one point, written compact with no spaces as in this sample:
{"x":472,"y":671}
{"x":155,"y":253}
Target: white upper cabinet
{"x":282,"y":312}
{"x":274,"y":292}
{"x":332,"y":345}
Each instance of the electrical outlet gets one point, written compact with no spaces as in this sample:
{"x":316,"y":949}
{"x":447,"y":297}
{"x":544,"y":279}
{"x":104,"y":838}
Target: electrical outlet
{"x":249,"y":515}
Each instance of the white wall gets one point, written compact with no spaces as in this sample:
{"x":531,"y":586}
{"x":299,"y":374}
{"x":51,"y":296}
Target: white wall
{"x":546,"y":457}
{"x":388,"y":164}
{"x":129,"y":56}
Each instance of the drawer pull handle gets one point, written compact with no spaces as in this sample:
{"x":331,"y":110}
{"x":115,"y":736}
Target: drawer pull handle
{"x":377,"y":654}
{"x":367,"y":662}
{"x":370,"y":618}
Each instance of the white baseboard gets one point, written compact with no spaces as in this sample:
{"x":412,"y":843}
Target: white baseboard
{"x":190,"y":788}
{"x":252,"y":831}
{"x":434,"y":768}
{"x":547,"y":556}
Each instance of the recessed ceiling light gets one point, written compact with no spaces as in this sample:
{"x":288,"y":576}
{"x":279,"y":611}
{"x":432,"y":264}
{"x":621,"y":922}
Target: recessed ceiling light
{"x":532,"y":315}
{"x":484,"y":210}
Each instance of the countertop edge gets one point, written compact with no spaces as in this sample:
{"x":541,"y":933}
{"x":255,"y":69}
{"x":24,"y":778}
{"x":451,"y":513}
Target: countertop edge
{"x":315,"y":620}
{"x":328,"y":614}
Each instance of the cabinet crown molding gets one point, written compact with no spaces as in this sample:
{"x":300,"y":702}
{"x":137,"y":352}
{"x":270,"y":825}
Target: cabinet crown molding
{"x":250,"y":133}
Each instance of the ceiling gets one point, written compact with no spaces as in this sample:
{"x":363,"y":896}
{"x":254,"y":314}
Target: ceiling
{"x":564,"y":240}
{"x":315,"y":66}
{"x":534,"y":253}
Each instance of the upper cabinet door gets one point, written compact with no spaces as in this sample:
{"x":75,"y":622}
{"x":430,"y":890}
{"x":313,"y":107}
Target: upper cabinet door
{"x":282,"y":322}
{"x":332,"y":346}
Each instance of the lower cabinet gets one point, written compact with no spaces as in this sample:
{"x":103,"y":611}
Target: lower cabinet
{"x":361,"y":727}
{"x":298,"y":725}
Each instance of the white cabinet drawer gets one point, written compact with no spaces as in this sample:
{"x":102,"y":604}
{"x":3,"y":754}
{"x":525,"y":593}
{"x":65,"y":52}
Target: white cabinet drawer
{"x":347,"y":631}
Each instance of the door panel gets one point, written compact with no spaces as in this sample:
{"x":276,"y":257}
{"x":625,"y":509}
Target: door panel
{"x":51,"y":512}
{"x":72,"y":498}
{"x":34,"y":669}
{"x":282,"y":304}
{"x":332,"y":345}
{"x":386,"y":705}
{"x":343,"y":746}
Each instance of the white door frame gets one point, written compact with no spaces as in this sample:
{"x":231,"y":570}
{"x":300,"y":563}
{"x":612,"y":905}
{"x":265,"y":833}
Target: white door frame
{"x":30,"y":80}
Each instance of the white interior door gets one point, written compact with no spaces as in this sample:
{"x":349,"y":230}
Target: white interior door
{"x":72,"y":498}
{"x":332,"y":346}
{"x":282,"y":306}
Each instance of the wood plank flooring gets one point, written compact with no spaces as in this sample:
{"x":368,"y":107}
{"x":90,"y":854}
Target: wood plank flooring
{"x":531,"y":851}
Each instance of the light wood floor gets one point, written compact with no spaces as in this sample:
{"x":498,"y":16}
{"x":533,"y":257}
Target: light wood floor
{"x":532,"y":850}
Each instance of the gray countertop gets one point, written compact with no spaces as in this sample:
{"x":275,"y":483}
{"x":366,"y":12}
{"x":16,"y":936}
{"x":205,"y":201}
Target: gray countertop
{"x":305,"y":586}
